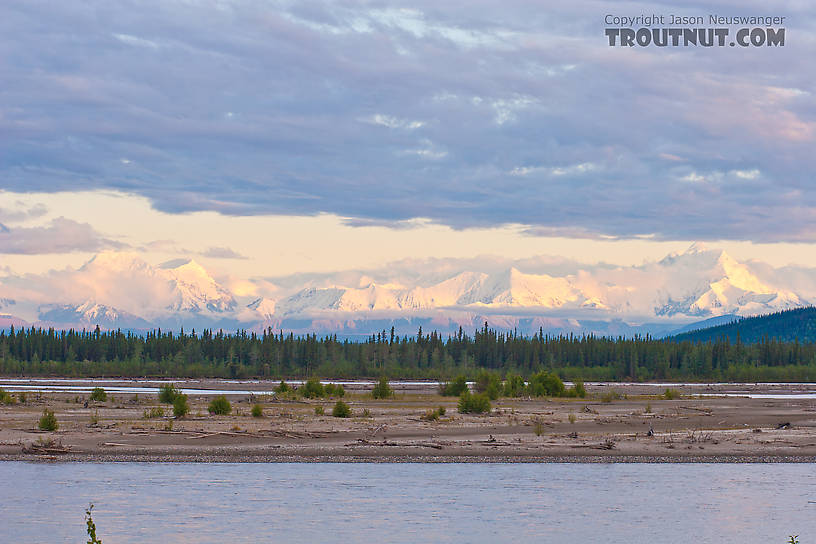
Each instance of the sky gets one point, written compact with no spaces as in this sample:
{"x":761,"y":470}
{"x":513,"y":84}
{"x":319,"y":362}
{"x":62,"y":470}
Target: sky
{"x":276,"y":138}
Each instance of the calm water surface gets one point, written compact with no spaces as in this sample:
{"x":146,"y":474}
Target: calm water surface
{"x":373,"y":503}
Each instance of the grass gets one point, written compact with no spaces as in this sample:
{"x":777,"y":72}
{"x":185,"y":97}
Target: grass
{"x":611,"y":395}
{"x":671,"y":394}
{"x":5,"y":398}
{"x":48,"y":421}
{"x":319,"y":411}
{"x":257,"y":410}
{"x":153,"y":413}
{"x":433,"y":415}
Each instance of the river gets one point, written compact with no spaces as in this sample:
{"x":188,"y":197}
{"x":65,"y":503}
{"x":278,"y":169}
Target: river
{"x":410,"y":503}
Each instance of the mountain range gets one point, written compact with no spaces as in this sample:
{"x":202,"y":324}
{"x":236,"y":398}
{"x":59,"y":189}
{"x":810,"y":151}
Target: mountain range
{"x":121,"y":290}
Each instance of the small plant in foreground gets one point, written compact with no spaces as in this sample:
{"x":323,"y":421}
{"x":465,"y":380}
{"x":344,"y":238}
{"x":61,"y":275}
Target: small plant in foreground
{"x":167,"y":393}
{"x":219,"y":406}
{"x":538,"y":427}
{"x":382,"y":390}
{"x":474,"y":404}
{"x":98,"y":395}
{"x":648,"y":409}
{"x":257,"y":410}
{"x":571,"y":418}
{"x":319,"y":411}
{"x":48,"y":421}
{"x":180,"y":406}
{"x":91,"y":526}
{"x":341,"y":409}
{"x":95,"y":418}
{"x":22,"y":397}
{"x":366,"y":413}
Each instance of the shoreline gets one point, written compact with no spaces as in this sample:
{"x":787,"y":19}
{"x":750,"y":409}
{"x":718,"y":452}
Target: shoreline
{"x":401,"y":459}
{"x":621,"y":423}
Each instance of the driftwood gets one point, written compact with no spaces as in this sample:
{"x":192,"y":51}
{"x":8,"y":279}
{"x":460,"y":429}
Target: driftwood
{"x":47,"y":449}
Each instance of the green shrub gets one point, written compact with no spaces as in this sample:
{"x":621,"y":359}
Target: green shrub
{"x":319,"y":411}
{"x":331,"y":390}
{"x":48,"y":421}
{"x":180,"y":406}
{"x":98,"y":395}
{"x":22,"y":396}
{"x":382,"y":390}
{"x":489,"y":383}
{"x":611,"y":395}
{"x":153,"y":413}
{"x":312,"y":389}
{"x":167,"y":393}
{"x":545,"y":384}
{"x":454,"y":388}
{"x":283,"y":387}
{"x":341,"y":409}
{"x":671,"y":394}
{"x":514,"y":386}
{"x":474,"y":404}
{"x":257,"y":410}
{"x":578,"y":389}
{"x":433,"y":415}
{"x":219,"y":406}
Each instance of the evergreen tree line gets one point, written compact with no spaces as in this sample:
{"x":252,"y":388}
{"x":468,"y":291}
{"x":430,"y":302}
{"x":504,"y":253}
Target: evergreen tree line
{"x":278,"y":355}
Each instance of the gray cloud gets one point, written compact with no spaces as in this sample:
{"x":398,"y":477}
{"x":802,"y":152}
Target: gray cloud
{"x":222,"y":253}
{"x":60,"y":236}
{"x":21,"y":212}
{"x":474,"y":114}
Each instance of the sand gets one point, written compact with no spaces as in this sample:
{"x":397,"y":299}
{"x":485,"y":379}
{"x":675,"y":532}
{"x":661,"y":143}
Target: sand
{"x":689,"y":429}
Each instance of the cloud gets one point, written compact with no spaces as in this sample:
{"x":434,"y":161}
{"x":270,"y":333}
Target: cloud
{"x":442,"y":111}
{"x":222,"y":253}
{"x":22,"y":212}
{"x":60,"y":236}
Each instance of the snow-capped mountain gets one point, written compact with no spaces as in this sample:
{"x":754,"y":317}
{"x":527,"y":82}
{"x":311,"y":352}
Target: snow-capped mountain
{"x":90,"y":315}
{"x":723,"y":286}
{"x":121,"y":290}
{"x":194,"y":290}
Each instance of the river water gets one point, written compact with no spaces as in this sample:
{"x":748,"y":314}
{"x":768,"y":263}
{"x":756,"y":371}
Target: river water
{"x":409,"y":503}
{"x":194,"y":387}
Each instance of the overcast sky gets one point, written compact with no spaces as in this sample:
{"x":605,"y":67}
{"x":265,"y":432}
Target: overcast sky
{"x":366,"y":131}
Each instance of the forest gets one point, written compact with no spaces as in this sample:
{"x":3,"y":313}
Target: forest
{"x":275,"y":355}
